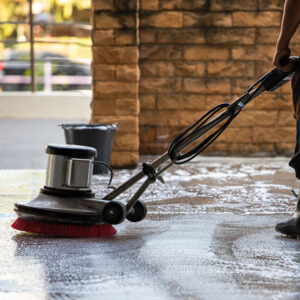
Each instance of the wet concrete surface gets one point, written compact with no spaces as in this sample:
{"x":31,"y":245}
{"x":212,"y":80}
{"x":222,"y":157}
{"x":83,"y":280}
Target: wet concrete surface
{"x":209,"y":234}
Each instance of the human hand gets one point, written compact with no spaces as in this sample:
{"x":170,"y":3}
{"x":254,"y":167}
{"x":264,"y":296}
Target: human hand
{"x":279,"y":53}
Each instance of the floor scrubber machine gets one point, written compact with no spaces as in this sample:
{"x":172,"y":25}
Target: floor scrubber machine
{"x":67,"y":206}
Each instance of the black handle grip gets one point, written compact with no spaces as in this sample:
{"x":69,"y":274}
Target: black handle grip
{"x":284,"y":60}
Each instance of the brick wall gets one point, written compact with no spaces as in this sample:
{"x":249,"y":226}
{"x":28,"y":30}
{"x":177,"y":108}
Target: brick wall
{"x":193,"y":54}
{"x":116,"y":74}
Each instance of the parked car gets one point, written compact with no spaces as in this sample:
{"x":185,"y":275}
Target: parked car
{"x":15,"y":69}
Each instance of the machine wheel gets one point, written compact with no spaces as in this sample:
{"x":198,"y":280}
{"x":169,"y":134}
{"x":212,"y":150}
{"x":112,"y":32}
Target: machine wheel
{"x":138,"y":212}
{"x":114,"y":212}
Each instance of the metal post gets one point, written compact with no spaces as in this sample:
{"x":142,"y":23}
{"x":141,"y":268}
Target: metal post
{"x":32,"y":73}
{"x":48,"y":76}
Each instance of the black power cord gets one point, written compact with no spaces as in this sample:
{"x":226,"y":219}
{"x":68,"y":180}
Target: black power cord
{"x":110,"y":171}
{"x":176,"y":156}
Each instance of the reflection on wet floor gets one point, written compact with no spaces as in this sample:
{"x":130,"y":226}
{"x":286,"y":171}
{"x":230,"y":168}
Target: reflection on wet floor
{"x":208,"y":235}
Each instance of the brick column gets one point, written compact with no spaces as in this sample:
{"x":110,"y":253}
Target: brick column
{"x":115,"y":73}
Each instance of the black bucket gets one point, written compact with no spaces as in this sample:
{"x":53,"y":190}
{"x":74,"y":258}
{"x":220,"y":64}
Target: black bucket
{"x":98,"y":136}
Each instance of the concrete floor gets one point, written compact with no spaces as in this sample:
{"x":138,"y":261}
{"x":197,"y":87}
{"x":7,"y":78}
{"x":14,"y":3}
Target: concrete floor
{"x":209,"y":234}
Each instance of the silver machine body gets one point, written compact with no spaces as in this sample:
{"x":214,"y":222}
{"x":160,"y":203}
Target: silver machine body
{"x":69,"y":167}
{"x":67,"y":173}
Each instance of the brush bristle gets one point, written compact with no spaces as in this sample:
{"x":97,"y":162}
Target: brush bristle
{"x":64,"y":230}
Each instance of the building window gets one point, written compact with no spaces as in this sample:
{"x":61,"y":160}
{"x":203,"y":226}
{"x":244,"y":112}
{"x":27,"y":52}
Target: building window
{"x":45,"y":45}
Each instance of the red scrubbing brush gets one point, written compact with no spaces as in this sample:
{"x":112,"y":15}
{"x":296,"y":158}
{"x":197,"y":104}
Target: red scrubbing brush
{"x":64,"y":230}
{"x":69,"y":216}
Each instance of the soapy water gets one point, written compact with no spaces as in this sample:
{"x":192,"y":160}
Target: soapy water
{"x":239,"y":185}
{"x":244,"y":186}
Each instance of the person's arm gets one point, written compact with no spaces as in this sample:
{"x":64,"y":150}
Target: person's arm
{"x":289,"y":24}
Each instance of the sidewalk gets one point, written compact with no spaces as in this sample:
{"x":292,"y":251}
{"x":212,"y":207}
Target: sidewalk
{"x":23,"y":141}
{"x":209,"y":234}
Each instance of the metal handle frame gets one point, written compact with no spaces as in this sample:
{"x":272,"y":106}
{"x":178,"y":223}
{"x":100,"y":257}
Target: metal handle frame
{"x":163,"y":162}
